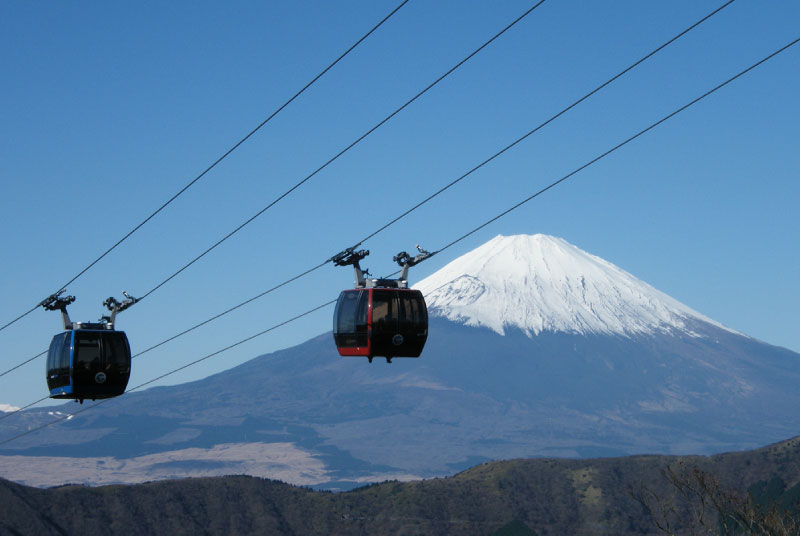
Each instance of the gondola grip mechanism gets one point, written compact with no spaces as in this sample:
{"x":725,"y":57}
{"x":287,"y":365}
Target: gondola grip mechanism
{"x":407,"y":261}
{"x":117,"y":307}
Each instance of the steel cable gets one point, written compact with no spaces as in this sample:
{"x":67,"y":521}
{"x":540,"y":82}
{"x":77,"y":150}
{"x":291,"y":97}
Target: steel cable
{"x":452,"y":183}
{"x":462,"y":237}
{"x":218,"y":160}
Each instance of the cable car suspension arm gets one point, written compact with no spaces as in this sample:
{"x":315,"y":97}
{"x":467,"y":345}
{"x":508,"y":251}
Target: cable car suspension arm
{"x":352,"y":257}
{"x":117,"y":307}
{"x":56,"y":302}
{"x":406,"y":261}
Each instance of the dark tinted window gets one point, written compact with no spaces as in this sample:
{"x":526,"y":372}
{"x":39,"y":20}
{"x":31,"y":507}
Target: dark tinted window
{"x":345,"y":316}
{"x":350,"y":318}
{"x":384,"y":307}
{"x":116,"y":350}
{"x":55,"y":349}
{"x":64,"y":362}
{"x":58,"y":361}
{"x":87,"y":350}
{"x":412,"y":311}
{"x":362,"y":313}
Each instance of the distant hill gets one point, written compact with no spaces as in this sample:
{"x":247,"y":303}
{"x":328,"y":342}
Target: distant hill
{"x":543,"y":496}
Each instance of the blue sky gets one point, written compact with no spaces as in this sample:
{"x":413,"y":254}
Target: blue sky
{"x":112,"y":107}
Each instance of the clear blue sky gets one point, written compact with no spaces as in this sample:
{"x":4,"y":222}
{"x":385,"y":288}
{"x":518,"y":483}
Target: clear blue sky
{"x":110,"y":107}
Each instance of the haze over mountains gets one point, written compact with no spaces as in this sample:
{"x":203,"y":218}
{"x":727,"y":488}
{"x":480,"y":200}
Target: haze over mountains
{"x":536,"y":348}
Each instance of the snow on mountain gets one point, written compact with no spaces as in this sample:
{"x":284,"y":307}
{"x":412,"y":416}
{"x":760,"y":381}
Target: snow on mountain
{"x":7,"y":408}
{"x":541,"y":283}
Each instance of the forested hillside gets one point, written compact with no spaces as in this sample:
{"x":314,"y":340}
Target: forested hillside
{"x":541,"y":496}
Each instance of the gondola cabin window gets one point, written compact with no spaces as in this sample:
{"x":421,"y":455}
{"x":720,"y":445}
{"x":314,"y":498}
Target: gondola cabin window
{"x":58,"y":360}
{"x":87,"y":357}
{"x":351,"y":319}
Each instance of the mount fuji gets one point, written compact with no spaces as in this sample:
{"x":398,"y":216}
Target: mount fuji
{"x":542,"y":284}
{"x":535,"y":348}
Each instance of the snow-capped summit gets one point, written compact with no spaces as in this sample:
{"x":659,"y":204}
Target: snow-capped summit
{"x":541,"y":283}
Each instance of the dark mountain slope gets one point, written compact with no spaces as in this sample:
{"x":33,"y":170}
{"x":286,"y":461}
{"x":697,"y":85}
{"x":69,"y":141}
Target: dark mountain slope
{"x":548,"y":496}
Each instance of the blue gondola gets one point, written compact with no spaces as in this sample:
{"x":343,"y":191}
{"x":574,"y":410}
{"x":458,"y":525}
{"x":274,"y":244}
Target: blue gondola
{"x":88,"y":363}
{"x":88,"y":360}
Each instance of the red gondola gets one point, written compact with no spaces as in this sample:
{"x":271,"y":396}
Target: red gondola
{"x":380,"y":317}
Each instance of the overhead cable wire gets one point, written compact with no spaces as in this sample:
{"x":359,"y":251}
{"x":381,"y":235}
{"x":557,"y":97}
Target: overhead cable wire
{"x":188,"y":330}
{"x":452,"y":183}
{"x":462,"y":237}
{"x":326,"y":164}
{"x":17,"y":410}
{"x":203,"y":323}
{"x":230,"y":310}
{"x":346,"y":149}
{"x":619,"y":145}
{"x":218,"y":160}
{"x":547,"y":122}
{"x":15,"y":367}
{"x":20,"y":317}
{"x":161,"y":377}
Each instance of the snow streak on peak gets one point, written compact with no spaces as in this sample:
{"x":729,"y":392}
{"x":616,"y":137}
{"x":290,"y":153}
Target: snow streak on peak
{"x":542,"y":283}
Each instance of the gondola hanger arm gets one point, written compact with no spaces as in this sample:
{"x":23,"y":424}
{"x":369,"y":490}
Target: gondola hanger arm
{"x":406,"y":261}
{"x":116,"y":306}
{"x":55,"y":302}
{"x":352,"y":257}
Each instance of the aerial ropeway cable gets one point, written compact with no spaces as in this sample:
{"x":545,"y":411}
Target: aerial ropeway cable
{"x":300,"y":183}
{"x":548,"y":121}
{"x":345,"y":149}
{"x":320,"y":168}
{"x":214,"y":164}
{"x":323,"y":166}
{"x":462,"y":237}
{"x":441,"y":190}
{"x":162,"y":376}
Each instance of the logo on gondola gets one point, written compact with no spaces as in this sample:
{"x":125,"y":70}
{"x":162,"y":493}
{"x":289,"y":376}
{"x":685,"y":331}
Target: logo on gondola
{"x":100,"y":377}
{"x":397,"y":340}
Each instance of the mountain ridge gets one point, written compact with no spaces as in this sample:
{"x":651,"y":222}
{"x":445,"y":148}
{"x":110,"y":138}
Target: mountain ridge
{"x":549,"y":496}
